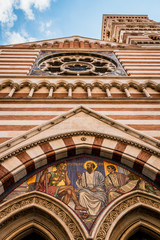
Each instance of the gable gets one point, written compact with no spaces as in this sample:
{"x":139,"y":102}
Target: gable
{"x":79,"y":131}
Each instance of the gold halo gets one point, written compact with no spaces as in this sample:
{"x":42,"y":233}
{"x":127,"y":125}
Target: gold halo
{"x":85,"y":165}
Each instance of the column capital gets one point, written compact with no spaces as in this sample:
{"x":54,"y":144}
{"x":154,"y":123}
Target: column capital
{"x":69,"y":85}
{"x":106,"y":85}
{"x":88,"y":85}
{"x":34,"y":86}
{"x":52,"y":85}
{"x":15,"y":86}
{"x":124,"y":86}
{"x":143,"y":89}
{"x":142,"y":86}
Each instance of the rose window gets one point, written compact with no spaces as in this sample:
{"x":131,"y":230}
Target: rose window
{"x":77,"y":64}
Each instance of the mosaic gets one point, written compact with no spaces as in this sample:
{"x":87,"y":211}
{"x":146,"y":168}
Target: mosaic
{"x":86,"y":185}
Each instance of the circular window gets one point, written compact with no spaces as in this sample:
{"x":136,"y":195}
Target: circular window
{"x":77,"y":64}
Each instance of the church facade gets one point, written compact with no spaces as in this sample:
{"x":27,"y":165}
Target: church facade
{"x":80,"y":135}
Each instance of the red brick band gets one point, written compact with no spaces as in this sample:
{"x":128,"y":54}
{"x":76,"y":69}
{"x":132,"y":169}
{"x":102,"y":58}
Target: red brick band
{"x":118,"y":151}
{"x":71,"y":149}
{"x":50,"y":153}
{"x":141,"y":160}
{"x":6,"y":178}
{"x":96,"y":148}
{"x":27,"y":161}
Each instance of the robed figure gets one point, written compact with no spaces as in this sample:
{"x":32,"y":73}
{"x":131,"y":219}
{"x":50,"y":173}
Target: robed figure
{"x":91,"y":189}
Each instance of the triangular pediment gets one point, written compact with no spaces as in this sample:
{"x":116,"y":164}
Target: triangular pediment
{"x":78,"y":119}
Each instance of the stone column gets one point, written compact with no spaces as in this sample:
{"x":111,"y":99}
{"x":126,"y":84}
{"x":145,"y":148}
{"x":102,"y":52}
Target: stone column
{"x":13,"y":89}
{"x":51,"y":89}
{"x":145,"y":91}
{"x":70,"y":88}
{"x":125,"y":88}
{"x":107,"y":87}
{"x":33,"y":87}
{"x":88,"y":88}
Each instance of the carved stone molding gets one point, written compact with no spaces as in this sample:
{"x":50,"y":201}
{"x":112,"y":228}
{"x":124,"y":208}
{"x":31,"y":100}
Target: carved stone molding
{"x":111,"y":216}
{"x":62,"y":215}
{"x":79,"y":133}
{"x":19,"y":207}
{"x":9,"y":211}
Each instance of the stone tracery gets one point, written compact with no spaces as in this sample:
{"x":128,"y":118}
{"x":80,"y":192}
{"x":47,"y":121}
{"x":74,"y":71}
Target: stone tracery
{"x":79,"y":64}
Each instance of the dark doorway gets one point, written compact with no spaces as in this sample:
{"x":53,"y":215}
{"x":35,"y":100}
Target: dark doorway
{"x":140,"y":235}
{"x":33,"y":236}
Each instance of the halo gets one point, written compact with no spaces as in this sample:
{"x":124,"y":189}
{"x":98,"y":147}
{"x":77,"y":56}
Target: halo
{"x":85,"y":165}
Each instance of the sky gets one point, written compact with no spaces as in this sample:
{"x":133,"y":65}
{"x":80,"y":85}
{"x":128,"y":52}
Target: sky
{"x":35,"y":20}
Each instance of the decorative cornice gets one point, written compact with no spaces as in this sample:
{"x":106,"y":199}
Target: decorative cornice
{"x":78,"y":133}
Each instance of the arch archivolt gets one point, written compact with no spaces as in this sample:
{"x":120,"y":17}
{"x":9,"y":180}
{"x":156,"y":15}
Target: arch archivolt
{"x":148,"y":227}
{"x":27,"y":160}
{"x":42,"y":213}
{"x":53,"y":219}
{"x":127,"y":214}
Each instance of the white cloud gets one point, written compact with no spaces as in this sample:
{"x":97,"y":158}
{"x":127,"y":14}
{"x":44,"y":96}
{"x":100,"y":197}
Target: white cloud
{"x":16,"y":37}
{"x":6,"y":12}
{"x":44,"y":27}
{"x":48,"y":29}
{"x":27,"y":5}
{"x":7,"y":7}
{"x":49,"y":23}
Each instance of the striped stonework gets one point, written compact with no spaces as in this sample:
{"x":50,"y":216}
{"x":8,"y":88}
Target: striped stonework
{"x":17,"y":61}
{"x":112,"y":115}
{"x":140,"y":62}
{"x":27,"y":162}
{"x":17,"y":117}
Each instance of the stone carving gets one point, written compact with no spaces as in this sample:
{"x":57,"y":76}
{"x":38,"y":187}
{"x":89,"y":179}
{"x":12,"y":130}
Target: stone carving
{"x":111,"y":216}
{"x":77,"y":64}
{"x":44,"y":203}
{"x":9,"y":214}
{"x":78,"y":133}
{"x":15,"y":206}
{"x":62,"y":215}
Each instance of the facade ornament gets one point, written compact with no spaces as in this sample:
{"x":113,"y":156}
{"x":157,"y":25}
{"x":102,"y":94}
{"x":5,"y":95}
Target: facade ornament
{"x":79,"y":133}
{"x":52,"y":88}
{"x":15,"y":87}
{"x":125,"y":89}
{"x":33,"y":88}
{"x":107,"y":89}
{"x":143,"y":87}
{"x":88,"y":87}
{"x":70,"y":89}
{"x":9,"y":213}
{"x":122,"y":206}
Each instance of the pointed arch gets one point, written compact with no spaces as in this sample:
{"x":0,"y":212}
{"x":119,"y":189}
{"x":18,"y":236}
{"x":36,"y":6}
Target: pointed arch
{"x":128,"y":213}
{"x":37,"y":212}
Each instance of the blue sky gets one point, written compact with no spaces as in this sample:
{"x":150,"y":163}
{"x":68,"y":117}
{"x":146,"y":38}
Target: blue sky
{"x":33,"y":20}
